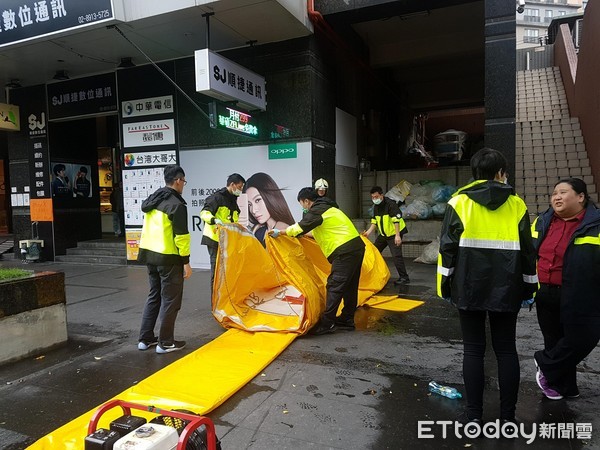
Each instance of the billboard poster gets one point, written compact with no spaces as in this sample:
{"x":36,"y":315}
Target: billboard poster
{"x":273,"y":182}
{"x":71,"y":180}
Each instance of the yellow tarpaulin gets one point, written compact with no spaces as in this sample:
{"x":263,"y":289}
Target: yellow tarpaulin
{"x":280,"y":289}
{"x":198,"y":382}
{"x":283,"y":288}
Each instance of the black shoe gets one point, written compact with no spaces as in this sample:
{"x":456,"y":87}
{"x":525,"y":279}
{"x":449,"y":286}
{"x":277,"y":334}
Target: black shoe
{"x":172,"y":347}
{"x":345,"y":324}
{"x":572,"y":394}
{"x":401,"y":281}
{"x":323,"y":329}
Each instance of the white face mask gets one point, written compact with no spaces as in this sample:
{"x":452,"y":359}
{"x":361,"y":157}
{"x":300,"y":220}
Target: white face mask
{"x":377,"y":201}
{"x":237,"y":192}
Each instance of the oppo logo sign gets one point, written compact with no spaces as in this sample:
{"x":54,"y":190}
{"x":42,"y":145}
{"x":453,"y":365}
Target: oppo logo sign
{"x":282,"y":151}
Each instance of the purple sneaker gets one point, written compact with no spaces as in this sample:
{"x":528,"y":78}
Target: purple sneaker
{"x":544,"y":386}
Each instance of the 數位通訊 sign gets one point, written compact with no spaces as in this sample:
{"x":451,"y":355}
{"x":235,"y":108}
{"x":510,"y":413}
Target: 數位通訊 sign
{"x":23,"y":20}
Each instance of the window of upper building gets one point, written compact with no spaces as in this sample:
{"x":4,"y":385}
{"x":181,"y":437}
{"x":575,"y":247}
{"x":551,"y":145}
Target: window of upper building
{"x":531,"y":36}
{"x":532,"y":15}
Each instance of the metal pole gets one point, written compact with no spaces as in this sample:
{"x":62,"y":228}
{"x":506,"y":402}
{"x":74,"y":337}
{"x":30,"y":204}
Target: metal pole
{"x":207,"y":17}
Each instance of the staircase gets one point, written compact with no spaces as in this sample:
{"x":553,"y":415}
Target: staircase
{"x":7,"y":244}
{"x":549,"y":143}
{"x":101,"y":251}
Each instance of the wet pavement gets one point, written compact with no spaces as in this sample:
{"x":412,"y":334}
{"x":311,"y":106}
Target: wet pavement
{"x":365,"y":389}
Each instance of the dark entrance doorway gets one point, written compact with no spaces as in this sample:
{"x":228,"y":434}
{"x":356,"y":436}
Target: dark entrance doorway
{"x":84,"y":165}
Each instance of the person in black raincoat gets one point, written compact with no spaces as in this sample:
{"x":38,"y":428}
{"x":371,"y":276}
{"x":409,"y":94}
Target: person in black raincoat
{"x":486,"y":267}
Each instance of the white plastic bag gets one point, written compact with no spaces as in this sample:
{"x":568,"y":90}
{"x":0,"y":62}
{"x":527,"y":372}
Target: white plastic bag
{"x":418,"y":210}
{"x":399,"y":192}
{"x":429,"y":255}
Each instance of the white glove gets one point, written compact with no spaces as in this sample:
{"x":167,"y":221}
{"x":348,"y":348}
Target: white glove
{"x":218,"y":222}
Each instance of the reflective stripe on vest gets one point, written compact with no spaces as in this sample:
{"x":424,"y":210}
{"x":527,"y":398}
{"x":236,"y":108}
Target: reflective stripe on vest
{"x":593,"y":240}
{"x":534,"y":232}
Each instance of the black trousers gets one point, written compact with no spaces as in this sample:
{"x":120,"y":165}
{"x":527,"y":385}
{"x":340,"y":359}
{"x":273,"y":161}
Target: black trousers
{"x":213,"y":250}
{"x":565,"y":344}
{"x":381,"y":242}
{"x":503,"y":326}
{"x":343,"y":283}
{"x":164,"y":301}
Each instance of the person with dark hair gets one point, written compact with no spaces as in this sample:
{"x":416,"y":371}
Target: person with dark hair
{"x":61,"y":186}
{"x":165,"y":249}
{"x":219,"y":208}
{"x":267,"y":206}
{"x":567,"y":240}
{"x":344,"y":249}
{"x":82,"y":186}
{"x":487,"y":268}
{"x":390,"y":225}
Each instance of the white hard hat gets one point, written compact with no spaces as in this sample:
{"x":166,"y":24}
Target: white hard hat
{"x":321,"y":183}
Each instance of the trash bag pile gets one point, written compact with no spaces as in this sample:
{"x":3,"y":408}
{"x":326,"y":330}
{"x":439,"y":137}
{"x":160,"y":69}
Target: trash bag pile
{"x":424,"y":200}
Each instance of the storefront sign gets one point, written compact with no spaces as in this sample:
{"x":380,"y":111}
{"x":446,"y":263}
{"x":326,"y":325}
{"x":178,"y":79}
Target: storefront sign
{"x":283,"y":151}
{"x":39,"y":169}
{"x":230,"y":119}
{"x":23,"y":20}
{"x":144,"y":134}
{"x":146,"y":159}
{"x":9,"y":117}
{"x":36,"y":125}
{"x":147,"y":106}
{"x":225,"y":80}
{"x":82,"y":96}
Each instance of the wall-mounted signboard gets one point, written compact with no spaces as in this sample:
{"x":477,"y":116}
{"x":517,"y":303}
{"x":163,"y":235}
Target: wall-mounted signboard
{"x":153,"y":132}
{"x":229,"y":119}
{"x":23,"y":20}
{"x":225,"y":80}
{"x":82,"y":96}
{"x":9,"y":117}
{"x":147,"y":106}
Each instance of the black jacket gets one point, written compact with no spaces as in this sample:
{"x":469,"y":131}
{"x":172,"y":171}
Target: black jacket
{"x":487,"y":259}
{"x":385,"y":215}
{"x":580,"y":293}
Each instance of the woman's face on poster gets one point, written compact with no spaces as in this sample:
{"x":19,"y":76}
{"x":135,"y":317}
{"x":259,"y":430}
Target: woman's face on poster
{"x":257,"y":206}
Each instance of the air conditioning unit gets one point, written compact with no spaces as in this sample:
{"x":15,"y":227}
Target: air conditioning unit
{"x":577,"y":32}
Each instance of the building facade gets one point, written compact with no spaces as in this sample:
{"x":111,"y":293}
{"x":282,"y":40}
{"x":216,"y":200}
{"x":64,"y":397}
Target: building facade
{"x":113,"y":95}
{"x":533,"y":22}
